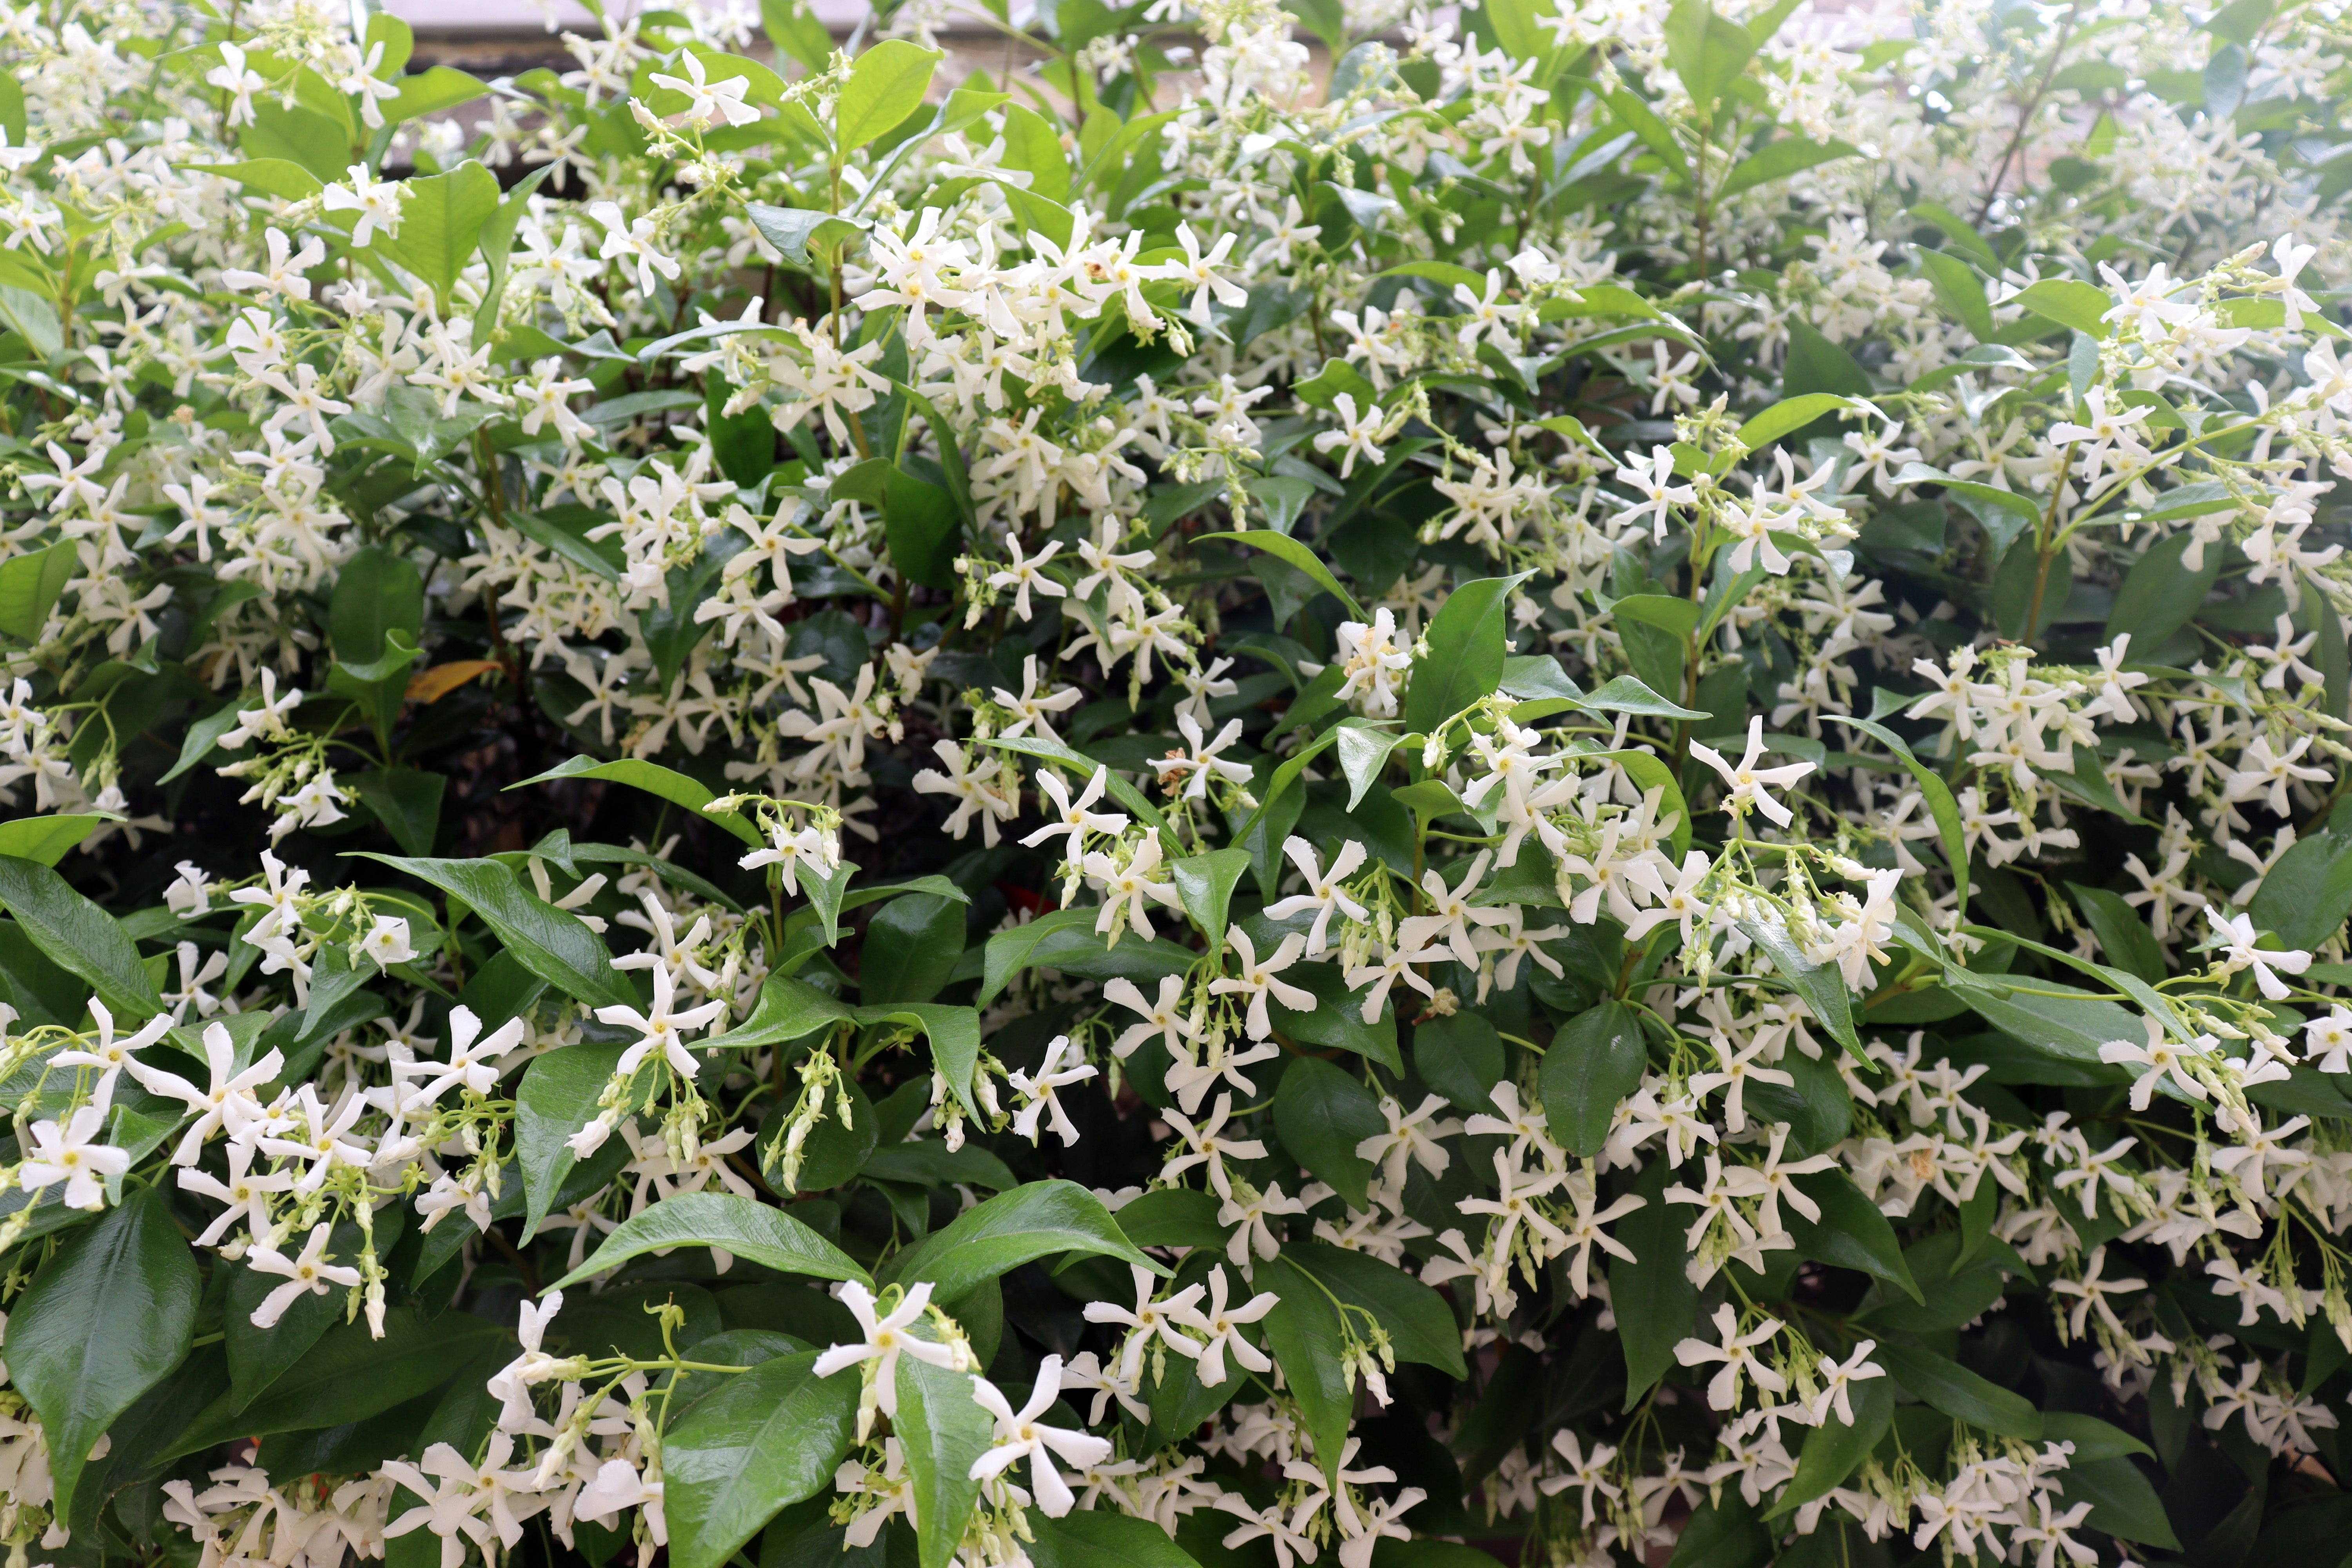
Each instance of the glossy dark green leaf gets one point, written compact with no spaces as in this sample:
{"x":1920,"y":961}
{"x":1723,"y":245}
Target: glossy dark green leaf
{"x":2160,"y":595}
{"x":1205,"y":883}
{"x":1591,"y":1066}
{"x":79,"y":938}
{"x":654,"y":779}
{"x":1420,"y":1325}
{"x":2123,"y":1503}
{"x":1465,"y":661}
{"x":1461,"y":1056}
{"x":744,"y":1227}
{"x":1303,"y":1333}
{"x":1042,"y":1219}
{"x":1103,"y":1538}
{"x":1723,"y":1532}
{"x":102,"y":1322}
{"x":348,"y":1376}
{"x":911,"y":947}
{"x":762,"y":1441}
{"x":1321,"y":1113}
{"x":551,"y":942}
{"x":1851,"y":1233}
{"x":441,"y":220}
{"x":1655,"y":1302}
{"x":1959,"y":1393}
{"x":789,"y":1009}
{"x":1834,"y":1452}
{"x":557,"y":1096}
{"x":30,"y":584}
{"x":2124,"y":939}
{"x":943,"y":1430}
{"x":2307,"y":894}
{"x":407,"y":801}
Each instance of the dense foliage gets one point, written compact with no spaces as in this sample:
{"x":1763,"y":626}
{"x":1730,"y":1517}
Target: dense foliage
{"x":1567,"y":787}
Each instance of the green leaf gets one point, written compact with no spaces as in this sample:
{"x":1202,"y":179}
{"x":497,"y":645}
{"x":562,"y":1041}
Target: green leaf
{"x":1304,"y":1332}
{"x":1336,"y":1019}
{"x":1461,"y":1056}
{"x":1834,"y":1452}
{"x":1961,"y":290}
{"x":1706,"y":52}
{"x":2023,"y":507}
{"x":279,"y":177}
{"x":2307,"y":895}
{"x":1591,"y":1066}
{"x":1851,"y":1233}
{"x":79,"y":938}
{"x":1624,"y":694}
{"x":1444,"y":272}
{"x":1941,"y":803}
{"x":47,"y":839}
{"x":1291,"y":552}
{"x":1816,"y":364}
{"x":930,"y":1164}
{"x":551,"y":942}
{"x":886,"y":84}
{"x":762,"y":1440}
{"x":1820,"y":985}
{"x":795,"y":230}
{"x":257,"y":1356}
{"x":1656,"y":1304}
{"x":1420,"y":1325}
{"x":1960,"y":1393}
{"x":441,"y":221}
{"x":1722,"y":1532}
{"x":30,"y":583}
{"x":2058,"y":1020}
{"x":407,"y":801}
{"x":744,"y":1227}
{"x":1791,"y":414}
{"x":1042,"y":1219}
{"x":1321,"y":1113}
{"x":1363,"y":755}
{"x":922,"y":526}
{"x":2070,"y":303}
{"x":1961,"y":232}
{"x":2122,"y":1501}
{"x":2123,"y":931}
{"x":1678,"y":617}
{"x":1066,"y":940}
{"x":103,"y":1321}
{"x":1778,"y":160}
{"x":954,"y":1032}
{"x":1642,"y":120}
{"x":430,"y":92}
{"x":1103,"y":1538}
{"x":2094,"y":1439}
{"x":912,"y":945}
{"x":1465,"y":661}
{"x":788,"y":1009}
{"x":300,"y":136}
{"x":791,"y":26}
{"x":1034,"y":147}
{"x":347,"y":1377}
{"x":1205,"y":883}
{"x":558,"y":1097}
{"x":2159,"y":594}
{"x":838,"y":1146}
{"x":943,"y":1430}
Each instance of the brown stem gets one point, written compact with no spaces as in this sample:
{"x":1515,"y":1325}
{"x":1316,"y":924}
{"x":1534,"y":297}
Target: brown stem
{"x":2025,"y":116}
